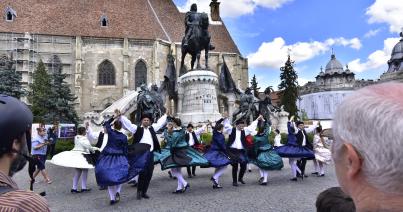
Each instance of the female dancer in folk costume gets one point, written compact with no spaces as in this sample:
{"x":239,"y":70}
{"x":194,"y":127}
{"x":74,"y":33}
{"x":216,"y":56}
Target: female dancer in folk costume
{"x":323,"y":155}
{"x":112,"y":168}
{"x":236,"y":146}
{"x":75,"y":159}
{"x":266,"y":158}
{"x":193,"y":139}
{"x":180,"y":154}
{"x":294,"y":150}
{"x":217,"y":155}
{"x":100,"y":139}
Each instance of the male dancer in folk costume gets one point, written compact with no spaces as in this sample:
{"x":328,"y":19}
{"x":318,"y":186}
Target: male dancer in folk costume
{"x":237,"y":146}
{"x":145,"y":134}
{"x":302,"y":139}
{"x":193,"y":139}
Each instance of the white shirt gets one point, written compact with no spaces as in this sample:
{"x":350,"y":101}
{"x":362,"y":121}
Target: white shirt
{"x":93,"y":138}
{"x":147,"y":138}
{"x":248,"y":130}
{"x":277,"y":140}
{"x":307,"y":130}
{"x":197,"y":132}
{"x":237,"y":143}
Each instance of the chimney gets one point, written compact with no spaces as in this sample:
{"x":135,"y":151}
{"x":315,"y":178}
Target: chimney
{"x":215,"y":10}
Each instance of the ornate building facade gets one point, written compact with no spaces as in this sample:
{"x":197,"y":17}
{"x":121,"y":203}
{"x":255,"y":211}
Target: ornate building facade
{"x":107,"y":48}
{"x":320,"y":99}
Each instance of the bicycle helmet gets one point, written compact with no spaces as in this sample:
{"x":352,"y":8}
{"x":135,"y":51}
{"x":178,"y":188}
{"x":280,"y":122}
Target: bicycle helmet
{"x":15,"y":119}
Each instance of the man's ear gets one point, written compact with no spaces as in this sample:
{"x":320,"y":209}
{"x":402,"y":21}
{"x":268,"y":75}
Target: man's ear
{"x":353,"y":161}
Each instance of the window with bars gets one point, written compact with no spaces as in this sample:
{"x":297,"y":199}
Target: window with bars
{"x":106,"y":73}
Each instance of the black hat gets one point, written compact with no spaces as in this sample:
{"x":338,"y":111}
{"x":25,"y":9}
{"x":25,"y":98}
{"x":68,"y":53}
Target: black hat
{"x":299,"y":122}
{"x":240,"y":121}
{"x":177,"y":121}
{"x":190,"y":125}
{"x":146,"y":115}
{"x":15,"y":119}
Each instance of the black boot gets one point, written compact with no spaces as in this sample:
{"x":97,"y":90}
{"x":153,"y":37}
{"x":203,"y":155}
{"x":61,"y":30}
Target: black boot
{"x":139,"y":195}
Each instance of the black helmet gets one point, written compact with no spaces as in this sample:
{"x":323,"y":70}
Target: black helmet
{"x":15,"y":119}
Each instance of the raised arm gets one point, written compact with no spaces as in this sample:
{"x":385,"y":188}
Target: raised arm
{"x":201,"y":130}
{"x":311,"y":128}
{"x":160,"y":123}
{"x":127,"y":124}
{"x":292,"y":124}
{"x":91,"y":135}
{"x":227,"y":126}
{"x":107,"y":126}
{"x":251,"y":128}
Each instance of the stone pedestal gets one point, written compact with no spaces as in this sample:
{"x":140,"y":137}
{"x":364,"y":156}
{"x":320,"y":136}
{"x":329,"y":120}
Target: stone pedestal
{"x":198,"y":97}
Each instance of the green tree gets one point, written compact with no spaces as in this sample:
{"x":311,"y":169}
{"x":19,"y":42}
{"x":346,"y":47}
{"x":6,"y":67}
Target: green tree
{"x":254,"y":87}
{"x":61,"y":99}
{"x":40,"y":92}
{"x":10,"y":79}
{"x":289,"y":87}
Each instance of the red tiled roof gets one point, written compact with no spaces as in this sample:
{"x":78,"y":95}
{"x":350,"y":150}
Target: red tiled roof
{"x":127,"y":18}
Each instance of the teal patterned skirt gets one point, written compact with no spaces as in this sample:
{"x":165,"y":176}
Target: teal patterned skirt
{"x":268,"y":160}
{"x":181,"y":157}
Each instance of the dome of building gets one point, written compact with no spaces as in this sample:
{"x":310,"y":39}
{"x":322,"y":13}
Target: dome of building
{"x":333,"y":66}
{"x":397,"y":52}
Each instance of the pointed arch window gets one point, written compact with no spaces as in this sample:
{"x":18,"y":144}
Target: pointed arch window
{"x":140,"y":73}
{"x":10,"y":14}
{"x":104,"y":21}
{"x":106,"y":73}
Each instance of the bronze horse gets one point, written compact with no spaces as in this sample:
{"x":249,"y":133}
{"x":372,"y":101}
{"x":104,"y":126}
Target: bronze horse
{"x":198,"y":41}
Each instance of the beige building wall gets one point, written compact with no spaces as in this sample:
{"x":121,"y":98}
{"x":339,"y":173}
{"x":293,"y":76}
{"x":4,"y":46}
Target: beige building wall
{"x":81,"y":57}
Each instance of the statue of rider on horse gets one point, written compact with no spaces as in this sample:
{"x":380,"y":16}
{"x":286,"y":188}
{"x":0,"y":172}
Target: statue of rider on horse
{"x":197,"y":37}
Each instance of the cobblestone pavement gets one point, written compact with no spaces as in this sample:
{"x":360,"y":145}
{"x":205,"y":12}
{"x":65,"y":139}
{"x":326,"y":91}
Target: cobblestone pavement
{"x":279,"y":195}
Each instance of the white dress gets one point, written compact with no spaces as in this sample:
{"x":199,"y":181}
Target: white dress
{"x":75,"y":157}
{"x":322,"y":154}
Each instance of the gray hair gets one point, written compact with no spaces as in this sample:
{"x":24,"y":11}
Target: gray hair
{"x":371,"y":119}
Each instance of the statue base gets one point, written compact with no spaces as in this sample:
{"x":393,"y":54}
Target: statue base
{"x":197,"y":93}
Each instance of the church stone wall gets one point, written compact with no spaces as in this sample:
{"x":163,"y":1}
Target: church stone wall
{"x":81,"y":57}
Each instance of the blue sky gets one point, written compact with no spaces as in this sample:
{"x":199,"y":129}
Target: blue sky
{"x":362,"y":33}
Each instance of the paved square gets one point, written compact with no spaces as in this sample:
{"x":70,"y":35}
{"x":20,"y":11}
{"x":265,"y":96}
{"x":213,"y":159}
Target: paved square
{"x":280,"y":195}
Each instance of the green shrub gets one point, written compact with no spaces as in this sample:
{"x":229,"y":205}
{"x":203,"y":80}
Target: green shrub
{"x":64,"y":145}
{"x":206,"y":138}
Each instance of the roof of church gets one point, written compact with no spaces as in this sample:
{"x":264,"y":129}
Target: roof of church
{"x":140,"y":19}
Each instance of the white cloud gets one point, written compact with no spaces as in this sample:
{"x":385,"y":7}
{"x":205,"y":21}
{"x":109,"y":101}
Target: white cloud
{"x":387,"y":11}
{"x":273,"y":54}
{"x":372,"y":33}
{"x":302,"y":81}
{"x":376,"y":59}
{"x":234,"y":8}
